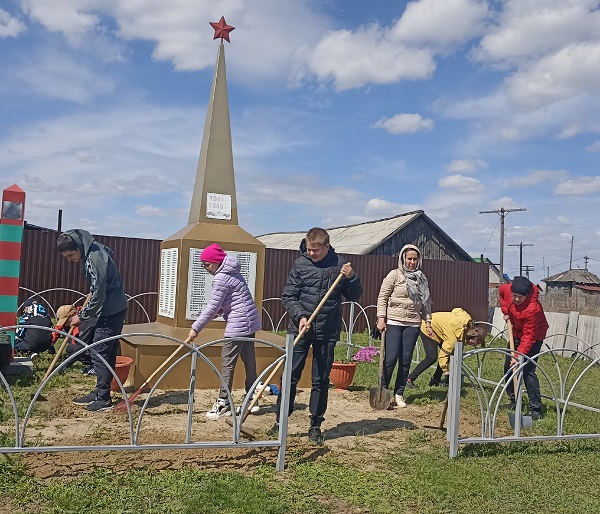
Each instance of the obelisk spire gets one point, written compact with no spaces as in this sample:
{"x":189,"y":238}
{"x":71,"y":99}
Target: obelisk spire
{"x":213,"y":198}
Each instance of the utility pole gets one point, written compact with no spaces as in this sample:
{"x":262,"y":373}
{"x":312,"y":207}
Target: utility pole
{"x":528,"y":269}
{"x":521,"y":245}
{"x":571,"y":258}
{"x":543,"y":266}
{"x":502,"y":213}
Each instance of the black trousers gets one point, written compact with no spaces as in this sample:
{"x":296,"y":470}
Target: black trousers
{"x":400,"y":344}
{"x":432,"y":349}
{"x":532,"y":384}
{"x":106,"y":326}
{"x":322,"y":361}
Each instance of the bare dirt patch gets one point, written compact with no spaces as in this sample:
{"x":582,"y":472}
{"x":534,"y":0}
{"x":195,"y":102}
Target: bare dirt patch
{"x":354,"y":432}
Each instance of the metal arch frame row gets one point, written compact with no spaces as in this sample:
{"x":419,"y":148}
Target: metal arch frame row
{"x":489,"y":405}
{"x":194,"y":352}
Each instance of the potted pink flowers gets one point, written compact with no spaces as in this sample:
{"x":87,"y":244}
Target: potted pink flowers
{"x":342,"y":373}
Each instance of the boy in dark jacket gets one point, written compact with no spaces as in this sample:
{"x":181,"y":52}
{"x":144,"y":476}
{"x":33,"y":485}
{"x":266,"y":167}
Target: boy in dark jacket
{"x":107,"y":302}
{"x":519,"y":304}
{"x":311,"y":276}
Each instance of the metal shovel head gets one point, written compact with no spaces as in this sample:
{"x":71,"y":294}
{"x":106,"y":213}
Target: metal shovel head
{"x":526,"y":421}
{"x":379,"y":398}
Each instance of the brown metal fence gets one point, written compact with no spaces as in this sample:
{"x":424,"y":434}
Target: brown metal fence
{"x":452,"y":283}
{"x":43,"y":268}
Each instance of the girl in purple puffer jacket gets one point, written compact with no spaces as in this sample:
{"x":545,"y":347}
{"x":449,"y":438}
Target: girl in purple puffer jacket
{"x":231,"y":296}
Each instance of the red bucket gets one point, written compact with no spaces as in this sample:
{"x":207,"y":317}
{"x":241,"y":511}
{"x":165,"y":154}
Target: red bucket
{"x":122,"y":367}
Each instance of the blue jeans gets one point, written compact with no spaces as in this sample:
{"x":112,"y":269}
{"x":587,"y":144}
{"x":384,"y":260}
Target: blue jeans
{"x":400,"y":344}
{"x":530,"y":379}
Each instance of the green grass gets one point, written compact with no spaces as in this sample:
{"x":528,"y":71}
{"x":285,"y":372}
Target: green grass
{"x":418,"y":478}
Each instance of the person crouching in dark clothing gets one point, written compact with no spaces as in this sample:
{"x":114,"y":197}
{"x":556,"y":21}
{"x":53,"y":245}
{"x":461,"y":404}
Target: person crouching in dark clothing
{"x":519,"y":304}
{"x":311,"y":276}
{"x":33,"y":341}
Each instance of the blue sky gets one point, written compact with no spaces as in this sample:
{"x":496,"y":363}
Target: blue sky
{"x":342,"y":111}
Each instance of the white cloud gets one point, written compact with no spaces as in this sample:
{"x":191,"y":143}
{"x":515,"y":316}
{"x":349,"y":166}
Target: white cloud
{"x":305,"y":189}
{"x":569,"y":72}
{"x":366,"y":56}
{"x":181,"y":34}
{"x":405,"y":123}
{"x":440,"y":22}
{"x":527,"y":29}
{"x":535,"y":177}
{"x":459,"y":184}
{"x":594,"y":147}
{"x":466,"y":166}
{"x":70,"y":17}
{"x":378,"y":208}
{"x":57,"y":75}
{"x":578,"y":186}
{"x":563,"y":220}
{"x":9,"y":25}
{"x":504,"y":202}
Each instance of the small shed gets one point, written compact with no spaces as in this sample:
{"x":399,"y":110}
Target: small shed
{"x":382,"y":237}
{"x":573,"y":290}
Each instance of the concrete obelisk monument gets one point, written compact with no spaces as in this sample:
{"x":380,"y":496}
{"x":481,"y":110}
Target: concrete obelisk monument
{"x":184,"y":285}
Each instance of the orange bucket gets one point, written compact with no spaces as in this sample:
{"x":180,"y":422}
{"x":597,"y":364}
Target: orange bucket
{"x":122,"y":367}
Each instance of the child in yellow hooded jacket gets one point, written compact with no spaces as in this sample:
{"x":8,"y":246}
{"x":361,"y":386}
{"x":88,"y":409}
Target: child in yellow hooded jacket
{"x":448,"y":328}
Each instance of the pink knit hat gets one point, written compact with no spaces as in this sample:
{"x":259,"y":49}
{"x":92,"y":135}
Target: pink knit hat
{"x":213,"y":253}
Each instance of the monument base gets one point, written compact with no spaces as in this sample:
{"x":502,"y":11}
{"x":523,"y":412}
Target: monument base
{"x":149,"y":352}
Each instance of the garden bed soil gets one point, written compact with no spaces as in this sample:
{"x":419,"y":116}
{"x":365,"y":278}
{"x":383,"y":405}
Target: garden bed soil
{"x":354,"y":432}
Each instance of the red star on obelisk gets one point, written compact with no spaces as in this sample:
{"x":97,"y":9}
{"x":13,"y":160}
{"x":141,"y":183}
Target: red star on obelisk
{"x":222,"y":30}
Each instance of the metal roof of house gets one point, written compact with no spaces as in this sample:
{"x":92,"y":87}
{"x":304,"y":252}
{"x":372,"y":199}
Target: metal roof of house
{"x":358,"y":239}
{"x":577,"y":276}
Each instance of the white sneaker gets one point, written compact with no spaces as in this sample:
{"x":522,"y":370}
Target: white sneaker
{"x":400,"y":401}
{"x":219,"y":409}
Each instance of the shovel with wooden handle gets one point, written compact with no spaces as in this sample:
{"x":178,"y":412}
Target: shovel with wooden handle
{"x":380,"y":397}
{"x":122,"y":407}
{"x":60,"y":351}
{"x":257,"y":395}
{"x":526,"y":421}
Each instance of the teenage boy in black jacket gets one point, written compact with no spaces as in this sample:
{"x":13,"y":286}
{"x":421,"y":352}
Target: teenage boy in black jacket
{"x":107,"y":302}
{"x":311,"y":276}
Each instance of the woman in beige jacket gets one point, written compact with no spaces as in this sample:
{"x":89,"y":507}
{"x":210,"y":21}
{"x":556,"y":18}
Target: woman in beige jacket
{"x":402,"y":304}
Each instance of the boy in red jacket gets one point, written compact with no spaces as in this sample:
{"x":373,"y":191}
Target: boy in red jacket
{"x":519,"y":303}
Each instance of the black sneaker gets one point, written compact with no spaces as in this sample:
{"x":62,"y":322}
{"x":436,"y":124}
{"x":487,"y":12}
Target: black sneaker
{"x":535,"y":415}
{"x":273,"y":431}
{"x":315,"y":436}
{"x":85,"y":400}
{"x":410,"y":383}
{"x":434,"y":383}
{"x":100,"y":405}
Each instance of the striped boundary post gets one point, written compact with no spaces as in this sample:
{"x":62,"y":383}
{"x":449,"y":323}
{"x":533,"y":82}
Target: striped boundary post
{"x":11,"y":238}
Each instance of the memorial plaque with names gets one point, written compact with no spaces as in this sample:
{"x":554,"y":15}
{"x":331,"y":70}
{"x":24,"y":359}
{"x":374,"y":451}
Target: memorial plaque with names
{"x":200,"y":280}
{"x":218,"y":206}
{"x":168,"y":282}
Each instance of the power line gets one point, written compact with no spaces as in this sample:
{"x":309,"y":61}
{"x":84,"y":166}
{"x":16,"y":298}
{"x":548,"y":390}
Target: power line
{"x":502,"y":212}
{"x":521,"y":245}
